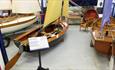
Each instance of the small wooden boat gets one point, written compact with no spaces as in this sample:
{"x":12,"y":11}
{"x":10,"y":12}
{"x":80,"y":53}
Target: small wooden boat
{"x":103,"y":44}
{"x":17,"y":24}
{"x":89,"y":17}
{"x":22,"y":15}
{"x":53,"y":32}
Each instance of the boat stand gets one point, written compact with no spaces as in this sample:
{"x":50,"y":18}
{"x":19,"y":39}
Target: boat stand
{"x":40,"y":63}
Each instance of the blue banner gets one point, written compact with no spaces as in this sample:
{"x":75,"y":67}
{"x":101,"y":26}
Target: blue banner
{"x":42,"y":11}
{"x":106,"y":13}
{"x":3,"y":50}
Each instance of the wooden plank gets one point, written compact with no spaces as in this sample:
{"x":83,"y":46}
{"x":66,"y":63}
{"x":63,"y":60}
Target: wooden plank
{"x":12,"y":62}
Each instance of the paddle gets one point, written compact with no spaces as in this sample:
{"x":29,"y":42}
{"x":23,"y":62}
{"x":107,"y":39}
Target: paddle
{"x":13,"y":61}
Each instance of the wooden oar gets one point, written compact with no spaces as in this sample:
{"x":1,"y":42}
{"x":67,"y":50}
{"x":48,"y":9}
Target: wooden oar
{"x":13,"y":61}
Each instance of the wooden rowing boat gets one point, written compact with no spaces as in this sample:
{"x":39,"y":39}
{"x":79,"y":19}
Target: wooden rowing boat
{"x":53,"y":33}
{"x":103,"y":44}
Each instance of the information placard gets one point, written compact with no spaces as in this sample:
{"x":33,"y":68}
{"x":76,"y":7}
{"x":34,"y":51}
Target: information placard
{"x":38,"y":43}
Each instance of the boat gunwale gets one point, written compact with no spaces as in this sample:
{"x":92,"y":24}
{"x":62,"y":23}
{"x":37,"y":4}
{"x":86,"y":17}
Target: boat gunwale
{"x":14,"y":24}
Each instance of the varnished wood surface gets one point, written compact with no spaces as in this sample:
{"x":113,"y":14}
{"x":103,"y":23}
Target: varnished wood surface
{"x":12,"y":62}
{"x":89,"y":18}
{"x":97,"y":24}
{"x":103,"y":45}
{"x":14,"y":24}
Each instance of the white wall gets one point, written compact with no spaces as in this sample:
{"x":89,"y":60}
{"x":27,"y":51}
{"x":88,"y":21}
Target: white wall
{"x":98,"y":4}
{"x":113,"y":1}
{"x":1,"y":61}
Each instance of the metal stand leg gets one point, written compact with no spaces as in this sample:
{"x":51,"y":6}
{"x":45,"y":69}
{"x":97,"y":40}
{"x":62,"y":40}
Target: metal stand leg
{"x":40,"y":64}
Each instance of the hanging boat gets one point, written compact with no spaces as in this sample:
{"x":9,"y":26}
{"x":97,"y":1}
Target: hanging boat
{"x":54,"y":27}
{"x":22,"y":14}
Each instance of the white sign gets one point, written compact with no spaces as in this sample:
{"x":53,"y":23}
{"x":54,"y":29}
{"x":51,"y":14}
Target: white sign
{"x":113,"y":1}
{"x":37,"y":43}
{"x":100,"y":3}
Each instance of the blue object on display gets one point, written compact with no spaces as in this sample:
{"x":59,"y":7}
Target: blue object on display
{"x":106,"y":13}
{"x":3,"y":50}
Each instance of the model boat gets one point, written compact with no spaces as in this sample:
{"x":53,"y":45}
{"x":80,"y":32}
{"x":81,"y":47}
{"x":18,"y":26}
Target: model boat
{"x":22,"y":14}
{"x":54,"y":28}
